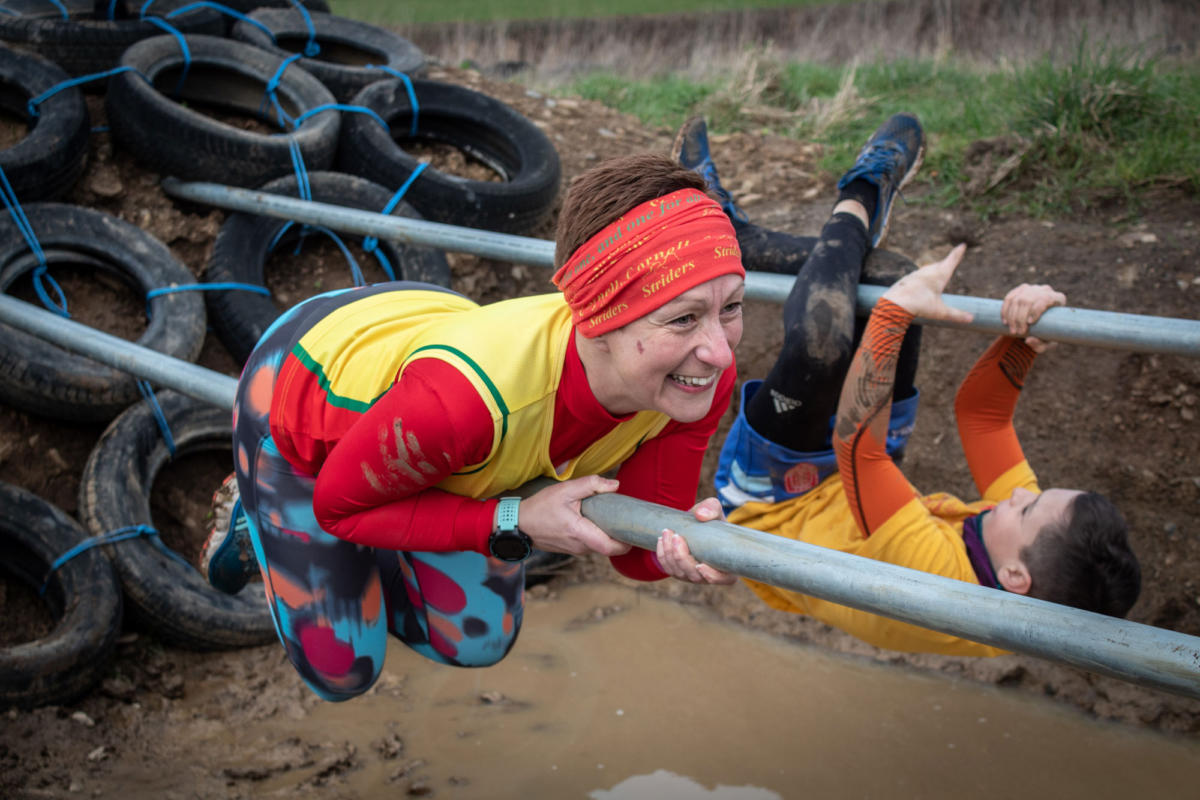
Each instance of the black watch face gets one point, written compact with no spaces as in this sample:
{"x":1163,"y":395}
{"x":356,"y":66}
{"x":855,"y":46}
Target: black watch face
{"x":510,"y":546}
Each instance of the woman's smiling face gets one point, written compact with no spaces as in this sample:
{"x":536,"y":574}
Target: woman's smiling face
{"x":671,"y":359}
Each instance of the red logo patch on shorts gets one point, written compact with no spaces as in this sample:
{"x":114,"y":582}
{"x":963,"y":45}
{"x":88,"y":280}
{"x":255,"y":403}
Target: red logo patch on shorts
{"x":800,"y":478}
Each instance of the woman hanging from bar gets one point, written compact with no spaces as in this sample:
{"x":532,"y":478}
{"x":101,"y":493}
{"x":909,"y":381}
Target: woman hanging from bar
{"x":375,"y":428}
{"x":787,"y":468}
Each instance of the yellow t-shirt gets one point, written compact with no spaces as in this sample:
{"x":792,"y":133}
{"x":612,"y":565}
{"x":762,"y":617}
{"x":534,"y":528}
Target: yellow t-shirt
{"x":512,"y":353}
{"x":925,"y":534}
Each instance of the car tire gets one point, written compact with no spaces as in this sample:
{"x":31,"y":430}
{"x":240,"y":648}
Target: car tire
{"x":481,"y":127}
{"x":46,"y":163}
{"x":47,"y":380}
{"x":166,"y":596}
{"x":83,"y":596}
{"x":348,"y":47}
{"x":244,"y":245}
{"x":172,"y":136}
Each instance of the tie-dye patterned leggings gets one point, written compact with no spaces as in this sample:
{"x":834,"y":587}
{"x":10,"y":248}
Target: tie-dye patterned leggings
{"x":334,"y":602}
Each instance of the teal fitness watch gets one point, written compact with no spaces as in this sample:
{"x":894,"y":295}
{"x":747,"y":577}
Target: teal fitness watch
{"x":508,"y":542}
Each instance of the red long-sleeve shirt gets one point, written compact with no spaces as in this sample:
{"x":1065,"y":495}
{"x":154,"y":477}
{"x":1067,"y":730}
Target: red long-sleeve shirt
{"x":440,"y":409}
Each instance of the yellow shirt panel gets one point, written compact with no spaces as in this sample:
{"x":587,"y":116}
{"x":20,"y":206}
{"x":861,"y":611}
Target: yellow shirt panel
{"x":926,"y":534}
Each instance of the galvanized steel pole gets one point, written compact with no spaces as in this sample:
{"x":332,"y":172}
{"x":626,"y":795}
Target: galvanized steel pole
{"x":1070,"y":325}
{"x":142,"y":362}
{"x":1130,"y":651}
{"x":1127,"y":650}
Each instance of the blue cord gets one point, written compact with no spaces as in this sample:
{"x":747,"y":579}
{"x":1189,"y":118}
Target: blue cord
{"x":34,"y":102}
{"x":187,"y":54}
{"x":384,"y":264}
{"x":311,"y":49}
{"x":269,"y":95}
{"x":202,"y":287}
{"x":159,"y":417}
{"x":341,"y":107}
{"x":355,"y":271}
{"x":408,"y":85}
{"x":371,"y":244}
{"x":391,"y":206}
{"x":301,"y":171}
{"x":224,"y":9}
{"x":61,"y":8}
{"x":118,"y":535}
{"x":40,"y":272}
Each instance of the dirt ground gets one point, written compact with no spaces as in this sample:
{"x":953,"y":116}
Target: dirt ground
{"x":1120,"y":423}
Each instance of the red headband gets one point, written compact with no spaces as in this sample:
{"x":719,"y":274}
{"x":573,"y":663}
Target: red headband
{"x":649,"y":256}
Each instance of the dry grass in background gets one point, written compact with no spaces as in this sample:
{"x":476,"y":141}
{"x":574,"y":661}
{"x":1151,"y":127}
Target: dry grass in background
{"x":999,"y":32}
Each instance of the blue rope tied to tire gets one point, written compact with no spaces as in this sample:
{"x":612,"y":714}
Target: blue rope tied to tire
{"x":40,"y":272}
{"x":62,"y":9}
{"x":171,"y":29}
{"x":118,"y":535}
{"x":305,"y":192}
{"x":311,"y":48}
{"x":34,"y":102}
{"x":356,"y":273}
{"x":371,"y":243}
{"x":339,"y":107}
{"x":303,"y":188}
{"x":159,"y":417}
{"x":216,"y":286}
{"x":223,"y":9}
{"x":269,"y":96}
{"x":301,"y":171}
{"x":408,"y":86}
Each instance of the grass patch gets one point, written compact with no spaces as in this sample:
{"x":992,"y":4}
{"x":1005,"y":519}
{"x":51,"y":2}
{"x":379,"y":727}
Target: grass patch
{"x":1105,"y":123}
{"x":1045,"y":137}
{"x":662,"y":102}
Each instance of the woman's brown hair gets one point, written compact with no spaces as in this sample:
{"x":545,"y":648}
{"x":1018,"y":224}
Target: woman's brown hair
{"x":606,"y":191}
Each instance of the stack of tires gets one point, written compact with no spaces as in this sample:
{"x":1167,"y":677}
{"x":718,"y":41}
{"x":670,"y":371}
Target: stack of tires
{"x":347,"y":106}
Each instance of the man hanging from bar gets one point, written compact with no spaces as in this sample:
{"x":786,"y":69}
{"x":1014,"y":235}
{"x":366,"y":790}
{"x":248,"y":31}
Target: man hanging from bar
{"x":788,"y":469}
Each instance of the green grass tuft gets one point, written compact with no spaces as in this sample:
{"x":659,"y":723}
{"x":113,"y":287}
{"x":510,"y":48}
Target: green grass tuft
{"x":1106,"y":122}
{"x":1044,"y":138}
{"x":662,"y":102}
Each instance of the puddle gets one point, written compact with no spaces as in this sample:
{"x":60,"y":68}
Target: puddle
{"x":613,"y":695}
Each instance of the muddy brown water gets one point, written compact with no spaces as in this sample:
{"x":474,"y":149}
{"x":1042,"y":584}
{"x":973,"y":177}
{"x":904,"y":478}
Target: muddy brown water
{"x":612,"y":694}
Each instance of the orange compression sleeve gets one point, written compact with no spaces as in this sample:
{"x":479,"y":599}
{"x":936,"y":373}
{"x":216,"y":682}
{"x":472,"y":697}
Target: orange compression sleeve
{"x":874,"y":485}
{"x":984,"y":409}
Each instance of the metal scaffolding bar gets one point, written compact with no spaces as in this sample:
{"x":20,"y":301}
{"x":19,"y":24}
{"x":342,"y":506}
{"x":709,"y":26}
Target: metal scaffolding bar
{"x":142,"y":362}
{"x":1081,"y":326}
{"x":1137,"y":653}
{"x":1131,"y":651}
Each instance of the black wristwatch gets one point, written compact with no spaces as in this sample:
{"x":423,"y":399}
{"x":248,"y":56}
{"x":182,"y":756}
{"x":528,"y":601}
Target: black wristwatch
{"x":508,"y":542}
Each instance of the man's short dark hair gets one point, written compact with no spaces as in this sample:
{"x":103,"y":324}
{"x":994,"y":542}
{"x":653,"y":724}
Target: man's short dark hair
{"x":1085,"y":560}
